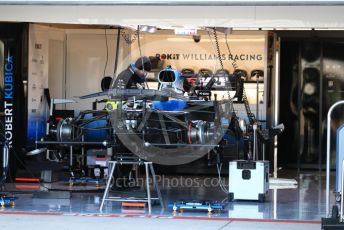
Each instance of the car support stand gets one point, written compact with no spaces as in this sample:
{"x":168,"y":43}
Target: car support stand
{"x":148,"y":200}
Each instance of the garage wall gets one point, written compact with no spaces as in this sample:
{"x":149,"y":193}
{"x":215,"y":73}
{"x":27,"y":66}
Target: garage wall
{"x":86,"y":59}
{"x":70,"y":62}
{"x":75,"y":60}
{"x":56,"y":72}
{"x":41,"y":55}
{"x":248,"y":50}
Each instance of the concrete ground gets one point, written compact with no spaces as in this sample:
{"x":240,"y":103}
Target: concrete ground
{"x":303,"y":203}
{"x":284,"y":209}
{"x":65,"y":222}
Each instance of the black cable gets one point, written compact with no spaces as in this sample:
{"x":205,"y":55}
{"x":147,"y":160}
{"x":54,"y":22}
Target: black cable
{"x":234,"y":63}
{"x":218,"y":47}
{"x":139,"y":45}
{"x":222,"y":186}
{"x":250,"y":115}
{"x":117,"y":52}
{"x":107,"y":53}
{"x":219,"y":57}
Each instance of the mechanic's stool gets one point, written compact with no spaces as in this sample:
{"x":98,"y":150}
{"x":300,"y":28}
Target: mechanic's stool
{"x":148,"y":200}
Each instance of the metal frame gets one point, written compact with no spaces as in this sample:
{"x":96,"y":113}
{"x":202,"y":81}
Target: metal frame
{"x":5,"y":160}
{"x":328,"y":155}
{"x":148,"y":200}
{"x":342,"y":194}
{"x":276,"y":104}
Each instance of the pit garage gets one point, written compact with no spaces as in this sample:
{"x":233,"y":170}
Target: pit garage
{"x":163,"y":113}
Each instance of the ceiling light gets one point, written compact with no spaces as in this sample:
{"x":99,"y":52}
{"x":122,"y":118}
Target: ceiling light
{"x":148,"y":29}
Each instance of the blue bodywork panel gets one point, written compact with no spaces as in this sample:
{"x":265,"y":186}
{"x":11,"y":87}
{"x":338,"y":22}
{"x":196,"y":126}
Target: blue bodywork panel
{"x":171,"y":105}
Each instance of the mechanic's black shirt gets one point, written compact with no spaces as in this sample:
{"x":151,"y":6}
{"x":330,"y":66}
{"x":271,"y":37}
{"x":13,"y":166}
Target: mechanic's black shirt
{"x":127,"y":80}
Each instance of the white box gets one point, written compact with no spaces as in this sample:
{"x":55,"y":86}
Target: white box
{"x":248,"y":180}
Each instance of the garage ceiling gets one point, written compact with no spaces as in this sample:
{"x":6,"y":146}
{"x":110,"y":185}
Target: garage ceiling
{"x":241,"y":15}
